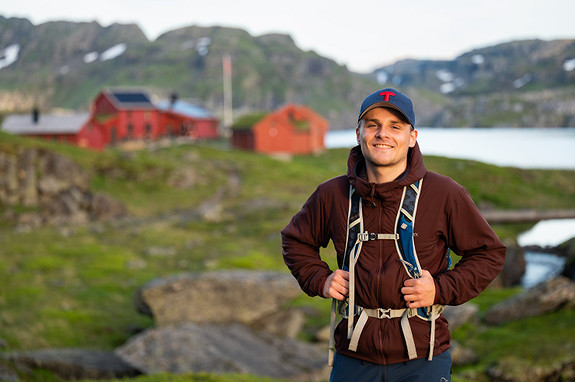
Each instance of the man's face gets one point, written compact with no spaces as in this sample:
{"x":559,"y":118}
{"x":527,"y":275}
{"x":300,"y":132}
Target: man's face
{"x":385,"y":140}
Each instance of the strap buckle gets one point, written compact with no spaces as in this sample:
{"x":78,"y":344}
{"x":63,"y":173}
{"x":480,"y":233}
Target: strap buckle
{"x":366,"y":236}
{"x":383,"y":313}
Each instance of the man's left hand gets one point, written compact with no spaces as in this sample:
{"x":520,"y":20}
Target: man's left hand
{"x":419,"y":292}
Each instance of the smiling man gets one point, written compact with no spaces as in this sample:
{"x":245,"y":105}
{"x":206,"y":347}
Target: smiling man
{"x":385,"y":137}
{"x":393,"y":224}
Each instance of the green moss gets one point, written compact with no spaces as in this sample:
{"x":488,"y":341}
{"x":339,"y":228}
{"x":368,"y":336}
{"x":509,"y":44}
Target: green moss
{"x":246,"y":122}
{"x":302,"y":125}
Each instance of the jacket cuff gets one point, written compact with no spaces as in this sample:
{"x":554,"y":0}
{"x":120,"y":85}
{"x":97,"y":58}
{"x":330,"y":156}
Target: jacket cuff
{"x":437,"y":298}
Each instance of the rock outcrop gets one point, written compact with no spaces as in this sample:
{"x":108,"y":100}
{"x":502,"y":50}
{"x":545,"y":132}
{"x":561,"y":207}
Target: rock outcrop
{"x":215,"y":348}
{"x":460,"y":314}
{"x":224,"y":322}
{"x":51,"y":189}
{"x":216,"y":297}
{"x":514,"y":266}
{"x":546,"y":297}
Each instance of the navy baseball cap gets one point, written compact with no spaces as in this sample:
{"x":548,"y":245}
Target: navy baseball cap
{"x":390,"y":98}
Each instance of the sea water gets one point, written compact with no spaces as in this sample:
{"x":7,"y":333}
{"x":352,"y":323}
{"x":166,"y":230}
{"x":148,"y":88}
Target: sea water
{"x":534,"y":148}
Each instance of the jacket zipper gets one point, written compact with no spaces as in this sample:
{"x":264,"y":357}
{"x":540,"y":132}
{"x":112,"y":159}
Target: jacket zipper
{"x":380,"y":261}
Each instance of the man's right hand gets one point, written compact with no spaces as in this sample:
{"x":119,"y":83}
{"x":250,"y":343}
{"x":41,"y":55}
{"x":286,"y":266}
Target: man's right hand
{"x":337,"y":285}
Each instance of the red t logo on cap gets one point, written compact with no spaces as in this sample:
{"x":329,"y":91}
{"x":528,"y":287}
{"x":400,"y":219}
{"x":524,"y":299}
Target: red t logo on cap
{"x":386,"y":95}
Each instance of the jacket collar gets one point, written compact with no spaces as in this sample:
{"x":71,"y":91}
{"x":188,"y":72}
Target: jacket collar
{"x":356,"y":174}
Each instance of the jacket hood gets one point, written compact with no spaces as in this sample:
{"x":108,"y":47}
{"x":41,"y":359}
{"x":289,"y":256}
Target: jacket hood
{"x":357,"y":175}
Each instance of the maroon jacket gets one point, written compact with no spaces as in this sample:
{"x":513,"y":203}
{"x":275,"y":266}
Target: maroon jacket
{"x":446,"y":218}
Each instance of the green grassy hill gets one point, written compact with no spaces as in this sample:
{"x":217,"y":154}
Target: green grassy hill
{"x":205,"y":207}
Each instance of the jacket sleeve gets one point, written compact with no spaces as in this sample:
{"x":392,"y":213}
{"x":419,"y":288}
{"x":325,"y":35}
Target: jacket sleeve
{"x":301,"y":239}
{"x":482,"y":253}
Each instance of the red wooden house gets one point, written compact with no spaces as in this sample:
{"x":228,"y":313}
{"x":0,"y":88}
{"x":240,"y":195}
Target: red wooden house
{"x":180,"y":118}
{"x":119,"y":116}
{"x":130,"y":115}
{"x":126,"y":115}
{"x":75,"y":128}
{"x":293,"y":129}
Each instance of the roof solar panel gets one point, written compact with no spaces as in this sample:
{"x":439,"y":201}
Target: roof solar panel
{"x":131,"y":97}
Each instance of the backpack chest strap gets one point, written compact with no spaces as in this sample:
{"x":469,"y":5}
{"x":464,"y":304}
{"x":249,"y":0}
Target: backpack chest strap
{"x":367,"y":236}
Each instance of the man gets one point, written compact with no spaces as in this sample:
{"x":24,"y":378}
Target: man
{"x":388,"y":339}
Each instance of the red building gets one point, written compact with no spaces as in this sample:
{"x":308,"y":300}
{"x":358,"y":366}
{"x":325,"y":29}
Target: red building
{"x":76,"y":129}
{"x":116,"y":117}
{"x":293,"y":129}
{"x":180,"y":118}
{"x":126,"y":115}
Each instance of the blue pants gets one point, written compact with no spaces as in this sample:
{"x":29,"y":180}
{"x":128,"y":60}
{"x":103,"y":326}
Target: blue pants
{"x":348,"y":369}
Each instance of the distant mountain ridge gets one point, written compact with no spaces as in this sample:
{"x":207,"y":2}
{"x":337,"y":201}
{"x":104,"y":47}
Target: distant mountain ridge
{"x":530,"y":64}
{"x":63,"y":64}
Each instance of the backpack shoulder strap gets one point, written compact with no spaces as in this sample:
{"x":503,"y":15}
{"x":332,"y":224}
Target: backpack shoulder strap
{"x":352,"y":247}
{"x":354,"y":226}
{"x":404,"y":224}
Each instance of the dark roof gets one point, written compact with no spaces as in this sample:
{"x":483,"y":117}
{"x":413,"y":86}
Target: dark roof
{"x":130,"y":99}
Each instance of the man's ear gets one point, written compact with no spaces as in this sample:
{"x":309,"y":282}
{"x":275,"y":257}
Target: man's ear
{"x":357,"y":132}
{"x":412,"y":138}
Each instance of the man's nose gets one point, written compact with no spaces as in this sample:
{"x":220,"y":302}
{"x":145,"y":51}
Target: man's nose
{"x":380,"y":132}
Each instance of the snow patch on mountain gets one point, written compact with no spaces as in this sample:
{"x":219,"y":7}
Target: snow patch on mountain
{"x":113,"y":52}
{"x":9,"y":55}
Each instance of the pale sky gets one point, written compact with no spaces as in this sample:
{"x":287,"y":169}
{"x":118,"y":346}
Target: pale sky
{"x":362,"y":34}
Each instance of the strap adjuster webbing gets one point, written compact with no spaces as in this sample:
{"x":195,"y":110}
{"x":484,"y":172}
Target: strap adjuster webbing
{"x":404,"y":314}
{"x":367,"y":236}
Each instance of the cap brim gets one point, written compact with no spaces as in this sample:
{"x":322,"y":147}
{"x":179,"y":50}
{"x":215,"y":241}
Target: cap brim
{"x":387,"y":105}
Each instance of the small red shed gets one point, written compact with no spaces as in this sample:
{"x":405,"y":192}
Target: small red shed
{"x":293,"y":129}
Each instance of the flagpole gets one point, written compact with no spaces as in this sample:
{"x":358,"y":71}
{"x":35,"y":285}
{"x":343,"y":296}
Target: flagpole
{"x":228,"y":107}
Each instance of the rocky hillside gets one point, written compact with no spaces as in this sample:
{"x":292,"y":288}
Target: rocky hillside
{"x":518,"y":65}
{"x":64,"y":64}
{"x":520,"y":83}
{"x":39,"y":187}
